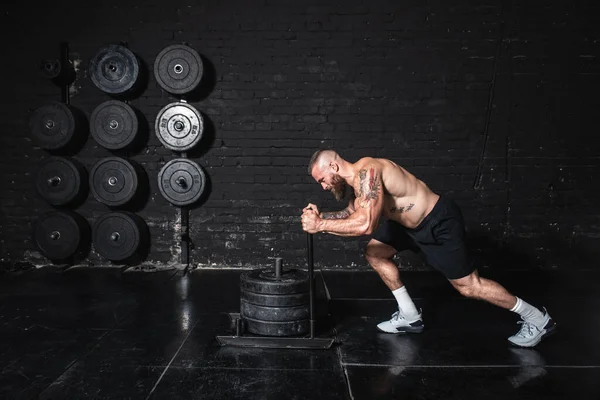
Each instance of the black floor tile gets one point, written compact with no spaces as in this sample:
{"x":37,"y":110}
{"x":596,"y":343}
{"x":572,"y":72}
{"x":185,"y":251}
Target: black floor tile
{"x":77,"y":298}
{"x":99,"y":333}
{"x":64,"y":312}
{"x":32,"y":359}
{"x":465,"y":332}
{"x":219,"y":291}
{"x":251,"y":384}
{"x":114,"y":381}
{"x":110,"y":282}
{"x":133,"y":347}
{"x":156,"y":312}
{"x":373,"y":383}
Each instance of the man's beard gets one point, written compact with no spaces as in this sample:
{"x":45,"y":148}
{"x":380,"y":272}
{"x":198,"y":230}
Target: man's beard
{"x":338,"y":187}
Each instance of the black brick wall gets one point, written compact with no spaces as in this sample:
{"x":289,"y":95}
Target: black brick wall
{"x":412,"y":81}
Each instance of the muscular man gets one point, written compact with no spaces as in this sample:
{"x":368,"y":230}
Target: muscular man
{"x":418,"y":219}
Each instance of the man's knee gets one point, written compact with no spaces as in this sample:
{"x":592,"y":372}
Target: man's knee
{"x":371,"y":254}
{"x":377,"y":251}
{"x":373,"y":258}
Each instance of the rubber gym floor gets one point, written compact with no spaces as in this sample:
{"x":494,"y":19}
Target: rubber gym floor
{"x":110,"y":333}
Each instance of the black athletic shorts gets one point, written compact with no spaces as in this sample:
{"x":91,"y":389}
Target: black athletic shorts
{"x":440,"y":236}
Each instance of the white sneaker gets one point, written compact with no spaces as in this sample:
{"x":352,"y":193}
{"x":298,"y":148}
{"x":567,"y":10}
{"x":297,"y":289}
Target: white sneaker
{"x":398,"y":324}
{"x":529,"y":335}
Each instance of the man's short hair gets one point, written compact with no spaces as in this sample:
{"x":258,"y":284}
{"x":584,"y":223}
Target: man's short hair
{"x":314,"y":159}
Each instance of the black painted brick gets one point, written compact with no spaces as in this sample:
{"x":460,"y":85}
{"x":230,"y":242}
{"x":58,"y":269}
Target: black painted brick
{"x":366,"y":78}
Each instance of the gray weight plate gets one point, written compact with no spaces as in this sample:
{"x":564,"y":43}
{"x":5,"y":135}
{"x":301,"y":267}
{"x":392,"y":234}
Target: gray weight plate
{"x":179,"y":126}
{"x":181,"y":181}
{"x":264,"y":281}
{"x":118,"y":235}
{"x":275,"y":300}
{"x":270,"y":328}
{"x":114,"y":125}
{"x":58,"y":235}
{"x":60,"y":181}
{"x":178,"y":69}
{"x":113,"y":181}
{"x":53,"y":126}
{"x":280,"y":314}
{"x":114,"y":69}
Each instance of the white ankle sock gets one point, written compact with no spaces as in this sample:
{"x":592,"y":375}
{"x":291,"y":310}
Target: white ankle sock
{"x":529,"y":313}
{"x":405,"y":304}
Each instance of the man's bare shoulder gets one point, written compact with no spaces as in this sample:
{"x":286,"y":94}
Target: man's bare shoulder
{"x":381,"y":165}
{"x":369,"y":162}
{"x":360,"y":166}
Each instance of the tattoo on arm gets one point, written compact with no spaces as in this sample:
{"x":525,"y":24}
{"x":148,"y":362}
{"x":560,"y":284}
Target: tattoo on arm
{"x":400,"y":210}
{"x":369,"y":186}
{"x":336,"y":214}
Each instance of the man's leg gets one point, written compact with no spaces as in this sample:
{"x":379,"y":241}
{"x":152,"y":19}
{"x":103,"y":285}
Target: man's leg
{"x":476,"y":287}
{"x":536,"y":325}
{"x":407,"y":319}
{"x":450,"y":256}
{"x":379,"y":255}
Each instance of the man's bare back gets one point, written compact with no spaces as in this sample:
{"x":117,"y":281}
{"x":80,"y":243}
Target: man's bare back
{"x":407,"y":200}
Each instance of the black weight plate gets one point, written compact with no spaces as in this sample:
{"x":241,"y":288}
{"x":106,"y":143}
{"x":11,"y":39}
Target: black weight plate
{"x":275,"y":300}
{"x":113,"y":181}
{"x":118,"y":235}
{"x":178,"y":69}
{"x":51,"y":68}
{"x":181,"y":181}
{"x":270,"y":328}
{"x":179,"y":126}
{"x":276,"y":314}
{"x":264,"y":281}
{"x":59,"y":234}
{"x":53,"y":126}
{"x":114,"y":69}
{"x":59,"y":180}
{"x":114,"y":125}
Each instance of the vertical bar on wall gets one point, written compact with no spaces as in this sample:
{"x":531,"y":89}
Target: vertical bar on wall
{"x":185,"y":236}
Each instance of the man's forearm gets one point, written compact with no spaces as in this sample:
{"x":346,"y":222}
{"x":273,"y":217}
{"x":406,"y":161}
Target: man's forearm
{"x":336,"y":214}
{"x":355,"y":225}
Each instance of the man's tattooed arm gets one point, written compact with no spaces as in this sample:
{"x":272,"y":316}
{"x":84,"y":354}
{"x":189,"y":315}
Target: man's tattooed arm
{"x":345,"y":213}
{"x":368,"y":207}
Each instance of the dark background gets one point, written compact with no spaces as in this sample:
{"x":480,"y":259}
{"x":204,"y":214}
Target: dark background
{"x":493,"y":103}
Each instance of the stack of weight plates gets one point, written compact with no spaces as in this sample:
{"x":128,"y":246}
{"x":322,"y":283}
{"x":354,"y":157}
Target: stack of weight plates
{"x":275,"y":306}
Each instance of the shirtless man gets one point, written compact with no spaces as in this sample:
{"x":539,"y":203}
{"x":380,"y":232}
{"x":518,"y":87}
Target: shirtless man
{"x":418,"y":219}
